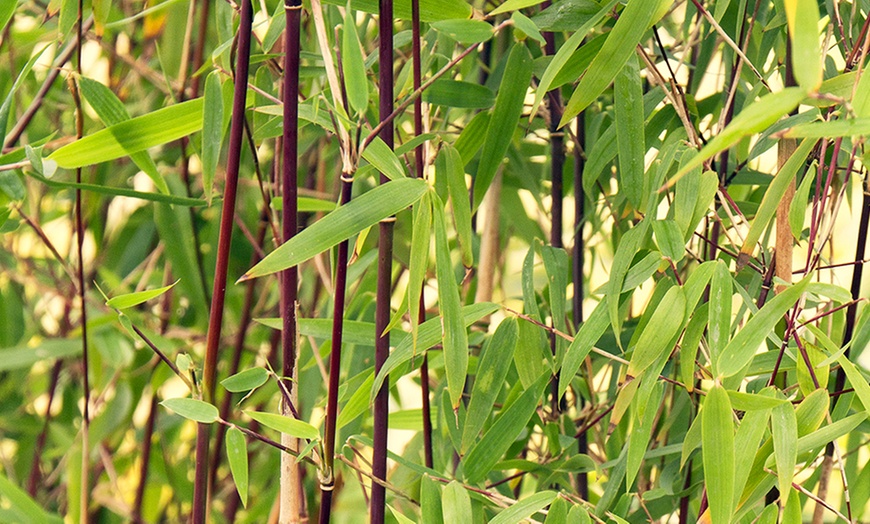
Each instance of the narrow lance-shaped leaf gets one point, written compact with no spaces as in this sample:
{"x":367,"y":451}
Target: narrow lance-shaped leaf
{"x":856,"y":378}
{"x":524,"y":508}
{"x":455,"y":503}
{"x":774,"y":195}
{"x":237,"y":456}
{"x":346,"y":221}
{"x":465,"y":32}
{"x":112,"y":111}
{"x":717,"y":430}
{"x":564,"y":54}
{"x":746,"y":342}
{"x":720,"y":312}
{"x":131,"y":136}
{"x":635,"y":19}
{"x":755,"y":118}
{"x":492,"y":369}
{"x":666,"y":321}
{"x":430,"y":10}
{"x":353,"y":65}
{"x":798,"y":211}
{"x":193,"y":409}
{"x":212,"y":131}
{"x":628,"y":106}
{"x":459,"y":202}
{"x":287,"y":425}
{"x":384,"y":159}
{"x":133,"y":299}
{"x":419,"y":260}
{"x":584,"y":341}
{"x":785,"y":435}
{"x":246,"y":380}
{"x":506,"y":113}
{"x":803,"y":30}
{"x":455,"y":338}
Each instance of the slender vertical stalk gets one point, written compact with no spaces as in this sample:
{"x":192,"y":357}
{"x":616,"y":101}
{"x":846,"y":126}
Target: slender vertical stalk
{"x":136,"y":515}
{"x":215,"y":320}
{"x":80,"y":240}
{"x":291,"y":507}
{"x":557,"y":161}
{"x":418,"y":171}
{"x":385,"y":266}
{"x":577,"y":268}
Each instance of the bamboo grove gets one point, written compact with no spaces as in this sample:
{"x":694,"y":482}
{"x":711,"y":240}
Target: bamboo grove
{"x":434,"y":261}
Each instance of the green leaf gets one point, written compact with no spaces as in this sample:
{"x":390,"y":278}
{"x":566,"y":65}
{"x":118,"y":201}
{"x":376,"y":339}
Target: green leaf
{"x":430,"y":334}
{"x":717,"y":430}
{"x":212,"y":131}
{"x":379,"y":154}
{"x":806,"y":56}
{"x":635,"y":19}
{"x":112,"y":111}
{"x":357,"y":404}
{"x":20,"y":506}
{"x":6,"y":106}
{"x":720,"y":312}
{"x":739,"y":352}
{"x":455,"y":338}
{"x":565,"y":53}
{"x":524,"y":508}
{"x":755,"y":118}
{"x":419,"y":260}
{"x":524,"y":24}
{"x":7,"y":9}
{"x":401,"y":519}
{"x":131,"y":136}
{"x":746,"y":442}
{"x":666,"y":321}
{"x":558,"y":512}
{"x":584,"y":340}
{"x":499,"y":437}
{"x":24,"y":356}
{"x":753,"y":401}
{"x":856,"y":378}
{"x":579,"y":515}
{"x":192,"y":409}
{"x":492,"y":369}
{"x":245,"y":380}
{"x":628,"y":108}
{"x":237,"y":456}
{"x":353,"y":65}
{"x":513,"y":5}
{"x":459,"y":202}
{"x":669,"y":238}
{"x":505,"y":115}
{"x":430,"y":501}
{"x":465,"y":32}
{"x":455,"y":503}
{"x":785,"y":435}
{"x":829,"y":433}
{"x":834,"y":128}
{"x":629,"y":245}
{"x":798,"y":210}
{"x":287,"y":425}
{"x":861,"y":100}
{"x":121,"y":191}
{"x":134,"y":299}
{"x":346,"y":221}
{"x":430,"y":10}
{"x":456,"y":93}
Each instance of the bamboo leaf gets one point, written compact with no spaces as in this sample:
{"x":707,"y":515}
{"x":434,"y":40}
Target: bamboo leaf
{"x":499,"y":437}
{"x":456,"y":93}
{"x":212,"y":131}
{"x":455,"y":503}
{"x":237,"y":456}
{"x":746,"y":442}
{"x":6,"y":106}
{"x":667,"y":320}
{"x":669,"y":238}
{"x":131,"y":136}
{"x":628,"y":108}
{"x":584,"y":341}
{"x":492,"y":369}
{"x":112,"y":111}
{"x":753,"y":401}
{"x":798,"y":210}
{"x":718,"y":452}
{"x":121,"y":191}
{"x":803,"y":30}
{"x":755,"y":118}
{"x":134,"y":299}
{"x":524,"y":24}
{"x":720,"y":312}
{"x":459,"y":202}
{"x":829,"y":129}
{"x":829,"y":433}
{"x":513,"y":5}
{"x":784,"y":426}
{"x":419,"y":260}
{"x":524,"y":508}
{"x":635,"y":19}
{"x":455,"y":338}
{"x":579,"y":515}
{"x":746,"y":342}
{"x":861,"y":100}
{"x":353,"y":65}
{"x":287,"y":425}
{"x":430,"y":10}
{"x":465,"y":32}
{"x":192,"y":409}
{"x":430,"y":501}
{"x":821,"y":372}
{"x":379,"y":154}
{"x":856,"y":378}
{"x":361,"y":212}
{"x":21,"y":507}
{"x":245,"y":380}
{"x":505,"y":115}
